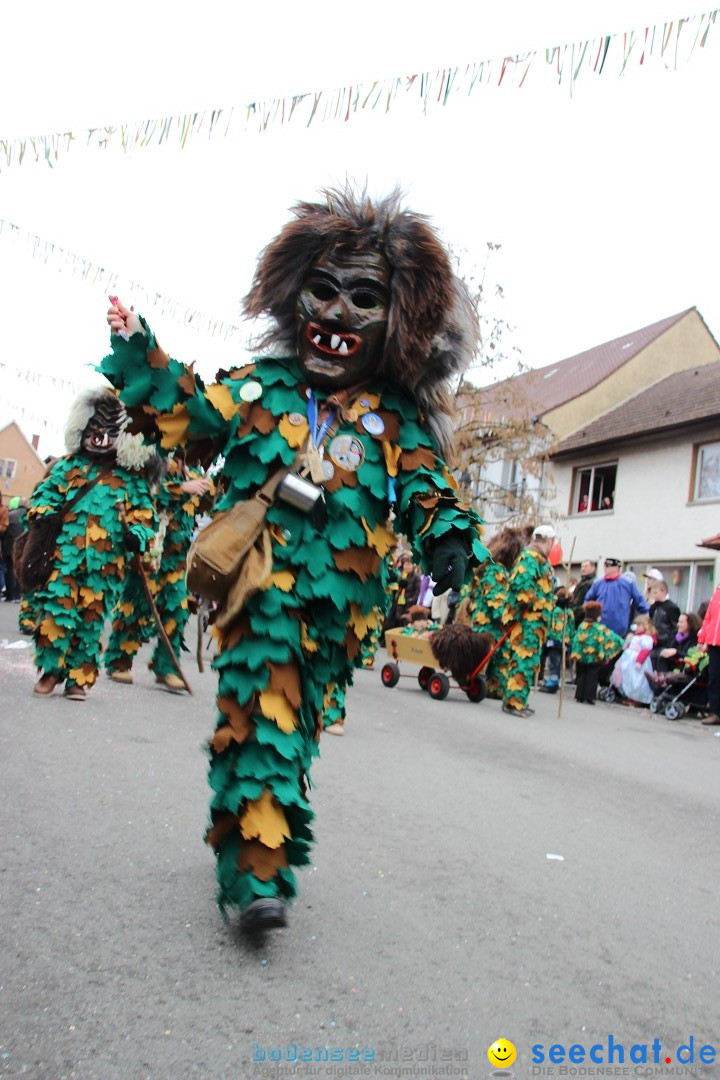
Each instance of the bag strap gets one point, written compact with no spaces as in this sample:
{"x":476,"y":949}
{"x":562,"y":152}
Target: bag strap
{"x":266,"y":494}
{"x":83,"y":491}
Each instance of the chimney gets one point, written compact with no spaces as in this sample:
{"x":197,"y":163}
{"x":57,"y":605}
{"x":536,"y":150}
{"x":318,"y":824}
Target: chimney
{"x":35,"y":441}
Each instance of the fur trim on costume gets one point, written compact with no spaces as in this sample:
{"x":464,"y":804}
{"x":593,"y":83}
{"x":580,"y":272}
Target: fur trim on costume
{"x":432,"y":331}
{"x":460,"y":649}
{"x":505,"y":546}
{"x":132,"y":453}
{"x":86,"y":404}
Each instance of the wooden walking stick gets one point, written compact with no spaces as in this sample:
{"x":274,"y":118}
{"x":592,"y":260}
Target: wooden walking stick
{"x":140,"y":571}
{"x":137,"y":566}
{"x":568,"y":564}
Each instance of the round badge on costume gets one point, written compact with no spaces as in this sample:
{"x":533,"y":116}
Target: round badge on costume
{"x":373,"y":423}
{"x":347,"y":451}
{"x":328,"y":469}
{"x":296,"y":419}
{"x":250,"y":391}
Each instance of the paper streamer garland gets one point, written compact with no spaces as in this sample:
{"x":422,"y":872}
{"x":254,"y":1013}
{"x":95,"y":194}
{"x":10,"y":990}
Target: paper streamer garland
{"x":669,"y":44}
{"x":108,"y":281}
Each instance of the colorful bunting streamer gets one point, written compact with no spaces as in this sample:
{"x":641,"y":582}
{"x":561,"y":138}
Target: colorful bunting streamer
{"x":670,"y":44}
{"x":111,"y":282}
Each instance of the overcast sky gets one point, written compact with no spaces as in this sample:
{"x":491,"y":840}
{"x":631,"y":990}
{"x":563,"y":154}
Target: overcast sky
{"x":603,"y":202}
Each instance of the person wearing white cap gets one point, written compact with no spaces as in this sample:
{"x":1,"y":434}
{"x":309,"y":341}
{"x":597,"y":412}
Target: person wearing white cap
{"x":652,"y":576}
{"x":529,"y":608}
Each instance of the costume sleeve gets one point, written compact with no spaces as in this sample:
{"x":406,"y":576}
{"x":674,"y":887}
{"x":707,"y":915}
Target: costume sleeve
{"x":576,"y":645}
{"x":168,"y":401}
{"x":140,"y":517}
{"x":428,"y":506}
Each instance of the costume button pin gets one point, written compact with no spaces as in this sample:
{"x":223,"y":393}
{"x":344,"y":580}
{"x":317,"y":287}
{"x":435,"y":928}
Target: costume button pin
{"x":328,"y":469}
{"x":250,"y":391}
{"x":347,"y":452}
{"x":373,"y":423}
{"x":296,"y":419}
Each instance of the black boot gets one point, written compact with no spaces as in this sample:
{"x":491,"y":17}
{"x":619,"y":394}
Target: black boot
{"x":265,"y":913}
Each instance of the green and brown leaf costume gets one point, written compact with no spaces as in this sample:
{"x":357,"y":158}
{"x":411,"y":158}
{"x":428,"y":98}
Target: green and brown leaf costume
{"x":133,"y":623}
{"x":594,"y":643}
{"x":528,"y":609}
{"x":89,"y":562}
{"x":302,"y":634}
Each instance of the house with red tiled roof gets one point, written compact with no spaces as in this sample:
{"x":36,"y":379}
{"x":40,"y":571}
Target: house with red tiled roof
{"x":572,"y":392}
{"x":621,"y":426}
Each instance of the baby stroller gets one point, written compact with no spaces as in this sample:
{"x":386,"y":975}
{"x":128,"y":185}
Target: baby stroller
{"x":682,"y":691}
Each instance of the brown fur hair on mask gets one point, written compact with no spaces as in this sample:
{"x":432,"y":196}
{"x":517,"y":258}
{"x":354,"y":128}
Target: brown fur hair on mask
{"x":433,"y":330}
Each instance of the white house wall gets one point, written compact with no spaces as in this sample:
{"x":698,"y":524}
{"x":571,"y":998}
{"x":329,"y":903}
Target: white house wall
{"x":652,"y":520}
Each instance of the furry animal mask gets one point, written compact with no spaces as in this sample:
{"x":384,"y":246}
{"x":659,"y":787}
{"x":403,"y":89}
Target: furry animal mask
{"x":96,"y":403}
{"x":432,"y":326}
{"x":103,"y":406}
{"x":505,"y":546}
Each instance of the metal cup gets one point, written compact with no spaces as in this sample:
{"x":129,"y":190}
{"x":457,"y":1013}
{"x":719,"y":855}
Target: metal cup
{"x":298,"y":492}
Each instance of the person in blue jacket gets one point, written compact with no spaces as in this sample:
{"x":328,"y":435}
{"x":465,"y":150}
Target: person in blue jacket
{"x":620,"y":598}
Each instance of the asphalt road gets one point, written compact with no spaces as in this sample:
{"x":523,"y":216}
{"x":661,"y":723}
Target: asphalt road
{"x":548,"y":881}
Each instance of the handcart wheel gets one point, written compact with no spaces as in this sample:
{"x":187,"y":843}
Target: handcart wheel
{"x":607,"y":694}
{"x":424,"y":676}
{"x":390,"y":674}
{"x":654,"y":706}
{"x":439,"y":686}
{"x":477,"y":690}
{"x":675,"y":710}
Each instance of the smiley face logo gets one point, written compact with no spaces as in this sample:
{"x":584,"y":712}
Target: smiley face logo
{"x":502,"y":1054}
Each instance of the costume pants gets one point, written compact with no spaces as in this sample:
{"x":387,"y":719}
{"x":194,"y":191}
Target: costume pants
{"x":69,"y":643}
{"x":587,"y":681}
{"x":276,"y":665}
{"x":518,"y":661}
{"x":134,"y":623}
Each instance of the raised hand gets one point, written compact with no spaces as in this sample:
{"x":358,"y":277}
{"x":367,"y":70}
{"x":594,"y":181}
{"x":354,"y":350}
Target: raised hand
{"x":123,"y":320}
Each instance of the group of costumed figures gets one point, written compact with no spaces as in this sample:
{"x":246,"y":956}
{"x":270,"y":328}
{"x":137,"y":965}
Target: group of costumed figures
{"x":346,"y":419}
{"x":120,"y":517}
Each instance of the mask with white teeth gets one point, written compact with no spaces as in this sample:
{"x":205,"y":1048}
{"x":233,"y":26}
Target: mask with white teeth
{"x":342,"y":315}
{"x":104,"y":427}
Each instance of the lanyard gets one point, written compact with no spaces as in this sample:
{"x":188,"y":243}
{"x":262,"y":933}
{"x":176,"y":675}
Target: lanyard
{"x":318,"y":430}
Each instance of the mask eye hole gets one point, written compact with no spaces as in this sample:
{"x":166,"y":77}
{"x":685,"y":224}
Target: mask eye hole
{"x":321,"y":290}
{"x":363,"y":298}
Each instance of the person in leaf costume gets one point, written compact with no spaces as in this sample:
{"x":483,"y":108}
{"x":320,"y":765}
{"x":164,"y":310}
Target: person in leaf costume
{"x":177,"y":501}
{"x":104,"y":528}
{"x":367,"y":325}
{"x":528,"y":611}
{"x":593,"y":645}
{"x":483,"y":600}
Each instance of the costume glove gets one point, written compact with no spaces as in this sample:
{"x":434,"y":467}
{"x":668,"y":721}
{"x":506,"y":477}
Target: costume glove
{"x":449,"y":563}
{"x":132,"y":542}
